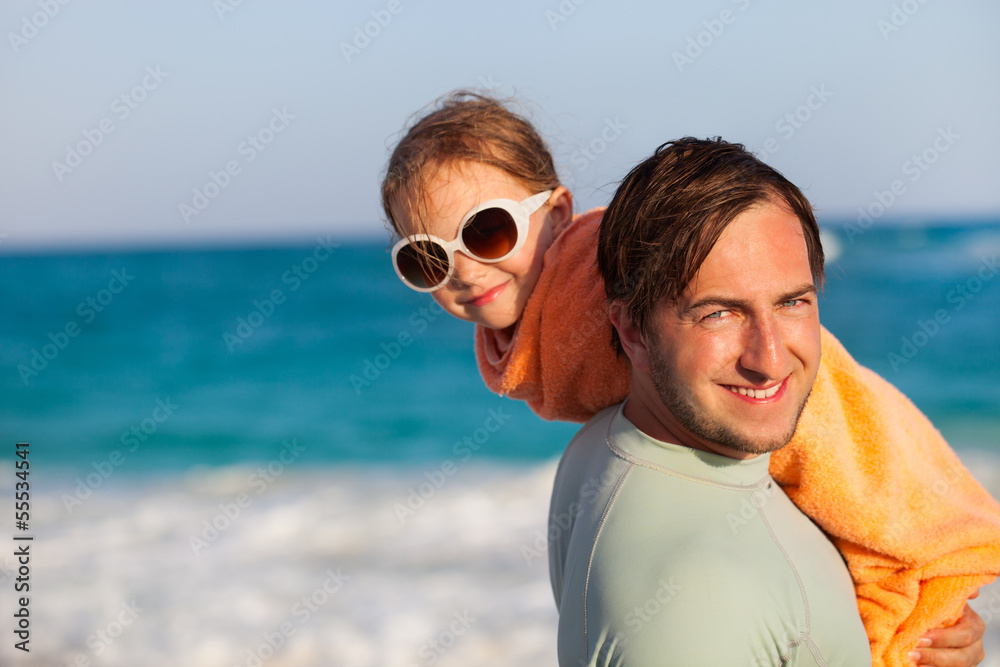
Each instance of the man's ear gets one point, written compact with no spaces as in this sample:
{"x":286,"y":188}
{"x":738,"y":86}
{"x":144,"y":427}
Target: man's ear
{"x":560,"y":211}
{"x":630,"y":336}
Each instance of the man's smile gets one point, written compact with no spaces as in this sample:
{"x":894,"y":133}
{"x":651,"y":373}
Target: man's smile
{"x":758,"y":394}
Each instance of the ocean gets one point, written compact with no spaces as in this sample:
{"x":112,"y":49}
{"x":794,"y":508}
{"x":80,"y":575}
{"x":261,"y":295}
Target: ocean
{"x":282,"y":455}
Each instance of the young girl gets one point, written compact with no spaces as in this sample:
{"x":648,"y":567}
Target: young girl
{"x":487,"y":229}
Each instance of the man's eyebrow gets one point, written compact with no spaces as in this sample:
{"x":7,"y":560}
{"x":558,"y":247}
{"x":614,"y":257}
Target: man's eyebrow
{"x":801,"y":290}
{"x":740,"y":304}
{"x":728,"y":304}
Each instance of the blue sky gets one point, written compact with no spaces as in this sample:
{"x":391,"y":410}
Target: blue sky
{"x":302,"y":106}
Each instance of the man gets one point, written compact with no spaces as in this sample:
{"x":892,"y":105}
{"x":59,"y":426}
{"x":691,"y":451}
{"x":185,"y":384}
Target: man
{"x":669,"y":542}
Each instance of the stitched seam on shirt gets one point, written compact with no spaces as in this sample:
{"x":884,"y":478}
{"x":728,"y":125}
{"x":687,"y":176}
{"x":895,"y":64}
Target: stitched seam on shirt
{"x":815,"y":651}
{"x":634,"y":460}
{"x":590,"y":561}
{"x":798,"y":579}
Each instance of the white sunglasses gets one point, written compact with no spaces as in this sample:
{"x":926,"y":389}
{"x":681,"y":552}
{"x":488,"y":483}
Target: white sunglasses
{"x":491,"y":232}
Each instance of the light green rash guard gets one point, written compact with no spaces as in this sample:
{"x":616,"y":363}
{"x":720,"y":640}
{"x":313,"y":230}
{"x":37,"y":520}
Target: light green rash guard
{"x":660,"y":554}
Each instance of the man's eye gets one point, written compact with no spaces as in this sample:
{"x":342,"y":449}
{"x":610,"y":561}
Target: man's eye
{"x":716,"y":315}
{"x":793,"y":302}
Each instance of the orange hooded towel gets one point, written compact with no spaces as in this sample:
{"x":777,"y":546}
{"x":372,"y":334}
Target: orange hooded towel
{"x":918,"y":533}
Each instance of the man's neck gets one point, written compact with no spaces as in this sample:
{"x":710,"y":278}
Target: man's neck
{"x":648,"y":413}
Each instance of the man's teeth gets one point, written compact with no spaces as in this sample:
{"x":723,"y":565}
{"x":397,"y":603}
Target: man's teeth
{"x":756,"y":393}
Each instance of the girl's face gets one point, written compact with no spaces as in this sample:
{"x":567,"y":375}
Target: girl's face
{"x":493,"y":295}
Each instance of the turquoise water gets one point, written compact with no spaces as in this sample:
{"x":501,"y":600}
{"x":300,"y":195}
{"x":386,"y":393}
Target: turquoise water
{"x":214,"y":357}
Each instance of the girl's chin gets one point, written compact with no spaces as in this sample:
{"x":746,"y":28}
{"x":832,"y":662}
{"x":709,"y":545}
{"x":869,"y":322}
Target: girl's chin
{"x":496,"y":321}
{"x":502,"y":325}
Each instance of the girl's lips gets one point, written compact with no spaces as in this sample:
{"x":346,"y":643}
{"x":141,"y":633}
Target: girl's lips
{"x":486,"y":296}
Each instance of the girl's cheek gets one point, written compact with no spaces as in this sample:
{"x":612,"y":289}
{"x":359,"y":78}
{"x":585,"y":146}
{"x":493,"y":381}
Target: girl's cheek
{"x":444,"y":299}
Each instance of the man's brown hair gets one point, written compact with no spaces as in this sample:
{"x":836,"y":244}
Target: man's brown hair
{"x":670,"y":210}
{"x":463,"y":126}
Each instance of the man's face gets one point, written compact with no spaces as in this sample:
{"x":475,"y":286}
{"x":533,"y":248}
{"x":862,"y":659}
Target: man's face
{"x":735,"y":357}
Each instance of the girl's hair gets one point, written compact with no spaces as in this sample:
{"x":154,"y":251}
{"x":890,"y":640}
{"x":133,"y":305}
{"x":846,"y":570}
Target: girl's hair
{"x":463,"y":126}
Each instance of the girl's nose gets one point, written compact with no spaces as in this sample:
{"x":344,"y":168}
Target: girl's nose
{"x":467,"y":270}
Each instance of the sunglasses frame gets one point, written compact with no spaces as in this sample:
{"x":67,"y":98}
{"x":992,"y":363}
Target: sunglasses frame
{"x":520,"y":211}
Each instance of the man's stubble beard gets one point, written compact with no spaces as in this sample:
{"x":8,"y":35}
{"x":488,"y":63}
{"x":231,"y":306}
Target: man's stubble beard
{"x":695,"y":420}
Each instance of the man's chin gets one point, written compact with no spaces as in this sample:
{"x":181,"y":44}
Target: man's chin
{"x":744,"y":438}
{"x":747,"y":444}
{"x":754,"y":431}
{"x":747,"y":436}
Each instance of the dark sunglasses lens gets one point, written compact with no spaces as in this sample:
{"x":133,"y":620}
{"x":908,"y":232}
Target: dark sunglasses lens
{"x":490,"y":234}
{"x":423,"y":263}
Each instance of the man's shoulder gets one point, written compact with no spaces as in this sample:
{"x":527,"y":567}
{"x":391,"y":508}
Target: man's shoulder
{"x":687,"y":564}
{"x":587,"y":470}
{"x":589,"y":443}
{"x":699,"y":605}
{"x":596,"y":428}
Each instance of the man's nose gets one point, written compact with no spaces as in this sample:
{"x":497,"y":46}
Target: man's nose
{"x":764,"y":350}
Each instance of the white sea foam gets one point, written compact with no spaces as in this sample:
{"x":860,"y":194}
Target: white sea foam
{"x":447,"y":585}
{"x":832,"y":248}
{"x":460,"y":581}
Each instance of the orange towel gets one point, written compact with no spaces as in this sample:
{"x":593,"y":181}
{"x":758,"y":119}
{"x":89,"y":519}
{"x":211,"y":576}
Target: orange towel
{"x":919,"y":534}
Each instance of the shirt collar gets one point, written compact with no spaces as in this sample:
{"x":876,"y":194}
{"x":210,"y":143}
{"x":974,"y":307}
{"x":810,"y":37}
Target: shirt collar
{"x":631,"y":444}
